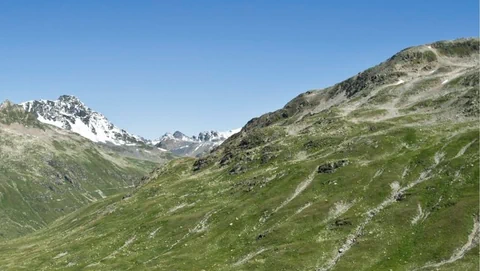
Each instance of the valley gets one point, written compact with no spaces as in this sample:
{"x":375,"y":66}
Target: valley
{"x":378,"y":172}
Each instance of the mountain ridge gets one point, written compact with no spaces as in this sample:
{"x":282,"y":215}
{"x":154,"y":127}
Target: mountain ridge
{"x":378,"y":172}
{"x":70,"y":113}
{"x":197,"y":145}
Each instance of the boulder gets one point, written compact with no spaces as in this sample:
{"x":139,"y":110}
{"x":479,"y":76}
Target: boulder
{"x":331,"y":167}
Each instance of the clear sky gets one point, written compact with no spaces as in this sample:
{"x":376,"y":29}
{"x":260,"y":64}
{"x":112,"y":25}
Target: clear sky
{"x":157,"y":66}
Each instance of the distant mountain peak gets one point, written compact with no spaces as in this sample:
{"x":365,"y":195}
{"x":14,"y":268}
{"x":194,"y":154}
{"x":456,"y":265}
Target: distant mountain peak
{"x":196,"y":145}
{"x":5,"y":104}
{"x":70,"y":113}
{"x":178,"y":135}
{"x":69,"y":98}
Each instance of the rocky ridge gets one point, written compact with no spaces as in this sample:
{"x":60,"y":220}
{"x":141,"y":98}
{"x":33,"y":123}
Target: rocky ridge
{"x":197,"y":145}
{"x":69,"y":113}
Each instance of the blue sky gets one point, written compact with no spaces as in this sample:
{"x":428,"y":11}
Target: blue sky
{"x":157,"y":66}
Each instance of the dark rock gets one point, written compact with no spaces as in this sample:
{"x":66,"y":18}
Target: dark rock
{"x":311,"y":144}
{"x":342,"y":222}
{"x":237,"y":169}
{"x":266,"y":157}
{"x":178,"y":135}
{"x":332,"y":166}
{"x":251,"y":141}
{"x":268,"y":153}
{"x":67,"y":179}
{"x":325,"y":121}
{"x":200,"y":163}
{"x":400,"y":196}
{"x":226,"y":159}
{"x":261,"y":236}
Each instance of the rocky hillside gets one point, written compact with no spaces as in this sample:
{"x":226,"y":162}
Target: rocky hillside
{"x":46,"y":173}
{"x":195,"y":146}
{"x":379,"y":172}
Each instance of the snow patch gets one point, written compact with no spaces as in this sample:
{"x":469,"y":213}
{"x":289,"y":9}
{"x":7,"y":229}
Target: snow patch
{"x":229,"y":133}
{"x":50,"y":122}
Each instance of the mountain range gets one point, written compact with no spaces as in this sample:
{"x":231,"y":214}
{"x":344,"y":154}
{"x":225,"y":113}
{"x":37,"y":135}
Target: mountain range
{"x":377,"y":172}
{"x":69,"y":113}
{"x":180,"y":144}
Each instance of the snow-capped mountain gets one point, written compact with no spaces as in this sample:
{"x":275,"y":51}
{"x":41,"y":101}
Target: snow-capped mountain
{"x":214,"y":136}
{"x":69,"y":113}
{"x":207,"y":136}
{"x":196,"y":145}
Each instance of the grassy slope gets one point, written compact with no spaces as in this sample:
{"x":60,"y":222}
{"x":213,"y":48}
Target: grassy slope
{"x":259,"y":202}
{"x":45,"y":174}
{"x":221,"y":219}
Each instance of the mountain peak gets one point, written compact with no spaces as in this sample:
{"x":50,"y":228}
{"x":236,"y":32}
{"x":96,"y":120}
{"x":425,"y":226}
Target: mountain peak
{"x":69,"y":113}
{"x":68,"y":98}
{"x":178,"y":135}
{"x":5,"y":104}
{"x":72,"y":100}
{"x":199,"y":145}
{"x":14,"y":113}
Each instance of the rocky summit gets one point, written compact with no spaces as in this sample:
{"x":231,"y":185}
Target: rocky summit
{"x":378,"y":172}
{"x":195,"y":146}
{"x":68,"y":112}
